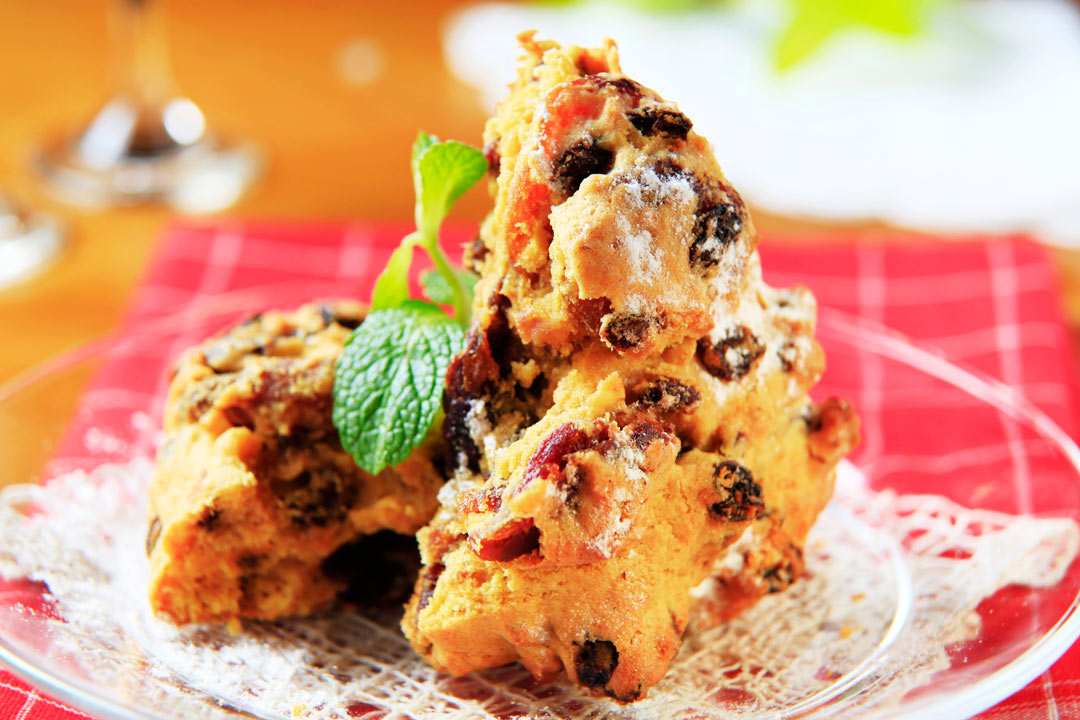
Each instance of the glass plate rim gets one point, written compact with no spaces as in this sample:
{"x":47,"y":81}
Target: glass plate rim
{"x":922,"y":356}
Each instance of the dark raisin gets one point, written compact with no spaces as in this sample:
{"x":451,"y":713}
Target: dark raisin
{"x":326,"y":314}
{"x":625,"y":332}
{"x":630,"y":89}
{"x":645,"y":431}
{"x":504,"y":345}
{"x":473,"y":373}
{"x":716,"y":226}
{"x":595,"y":662}
{"x":153,"y":534}
{"x":669,"y":395}
{"x":210,"y":519}
{"x":515,"y":538}
{"x":550,"y":456}
{"x":651,"y":121}
{"x":461,"y":449}
{"x":740,"y":496}
{"x":579,"y":161}
{"x":239,"y":417}
{"x":427,"y":587}
{"x":491,"y":154}
{"x":480,"y":371}
{"x":732,"y":356}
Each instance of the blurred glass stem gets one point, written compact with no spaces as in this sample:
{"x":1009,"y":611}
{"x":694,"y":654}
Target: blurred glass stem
{"x":140,"y":56}
{"x":147,"y":143}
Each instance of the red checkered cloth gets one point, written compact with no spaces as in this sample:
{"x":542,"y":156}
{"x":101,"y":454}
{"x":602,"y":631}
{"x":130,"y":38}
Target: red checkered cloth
{"x":991,"y":304}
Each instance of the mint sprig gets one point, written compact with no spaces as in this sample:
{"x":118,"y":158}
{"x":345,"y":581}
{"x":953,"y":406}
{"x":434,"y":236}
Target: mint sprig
{"x":390,"y":374}
{"x":389,"y":382}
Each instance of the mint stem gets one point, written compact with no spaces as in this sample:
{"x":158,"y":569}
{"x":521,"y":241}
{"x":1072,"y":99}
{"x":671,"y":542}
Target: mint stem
{"x":462,"y":303}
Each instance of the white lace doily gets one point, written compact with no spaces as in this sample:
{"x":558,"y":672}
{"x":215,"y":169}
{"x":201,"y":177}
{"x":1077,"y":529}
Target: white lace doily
{"x":893,"y":583}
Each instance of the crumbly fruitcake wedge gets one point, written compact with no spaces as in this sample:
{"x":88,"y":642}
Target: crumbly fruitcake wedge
{"x":253,"y":493}
{"x":630,"y":415}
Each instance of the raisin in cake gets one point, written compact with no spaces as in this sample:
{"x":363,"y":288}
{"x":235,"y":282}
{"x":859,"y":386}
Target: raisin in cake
{"x":254,"y":502}
{"x":629,"y":429}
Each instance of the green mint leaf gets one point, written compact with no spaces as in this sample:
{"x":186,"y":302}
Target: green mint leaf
{"x":446,"y":170}
{"x":438,"y":290}
{"x":392,"y":285}
{"x":389,"y":381}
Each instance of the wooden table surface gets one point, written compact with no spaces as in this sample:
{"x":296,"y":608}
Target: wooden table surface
{"x":336,"y":142}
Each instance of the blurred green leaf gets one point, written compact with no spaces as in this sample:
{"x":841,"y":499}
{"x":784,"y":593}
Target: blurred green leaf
{"x":814,"y":22}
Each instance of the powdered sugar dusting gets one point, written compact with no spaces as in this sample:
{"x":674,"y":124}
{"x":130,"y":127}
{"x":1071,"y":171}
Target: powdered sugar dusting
{"x":639,"y":245}
{"x":645,"y":188}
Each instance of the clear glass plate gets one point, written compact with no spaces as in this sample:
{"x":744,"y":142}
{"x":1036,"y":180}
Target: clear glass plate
{"x":950,"y":461}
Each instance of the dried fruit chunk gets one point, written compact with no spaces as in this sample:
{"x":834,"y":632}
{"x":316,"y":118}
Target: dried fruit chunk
{"x":739,"y":496}
{"x":564,"y":440}
{"x":669,"y":395}
{"x":579,"y":161}
{"x":509,"y":542}
{"x":651,"y":121}
{"x":715,"y":228}
{"x":732,"y":356}
{"x":625,"y":331}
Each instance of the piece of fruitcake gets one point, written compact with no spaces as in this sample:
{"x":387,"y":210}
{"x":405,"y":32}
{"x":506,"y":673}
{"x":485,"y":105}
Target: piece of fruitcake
{"x":630,"y":414}
{"x":254,"y":501}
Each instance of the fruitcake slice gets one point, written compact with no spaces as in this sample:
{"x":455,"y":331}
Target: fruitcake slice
{"x":631,"y":407}
{"x":582,"y":541}
{"x":253,"y":492}
{"x":612,"y":218}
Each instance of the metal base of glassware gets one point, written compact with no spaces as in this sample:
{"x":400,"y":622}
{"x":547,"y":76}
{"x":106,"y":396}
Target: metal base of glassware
{"x":29,"y":243}
{"x":131,"y":155}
